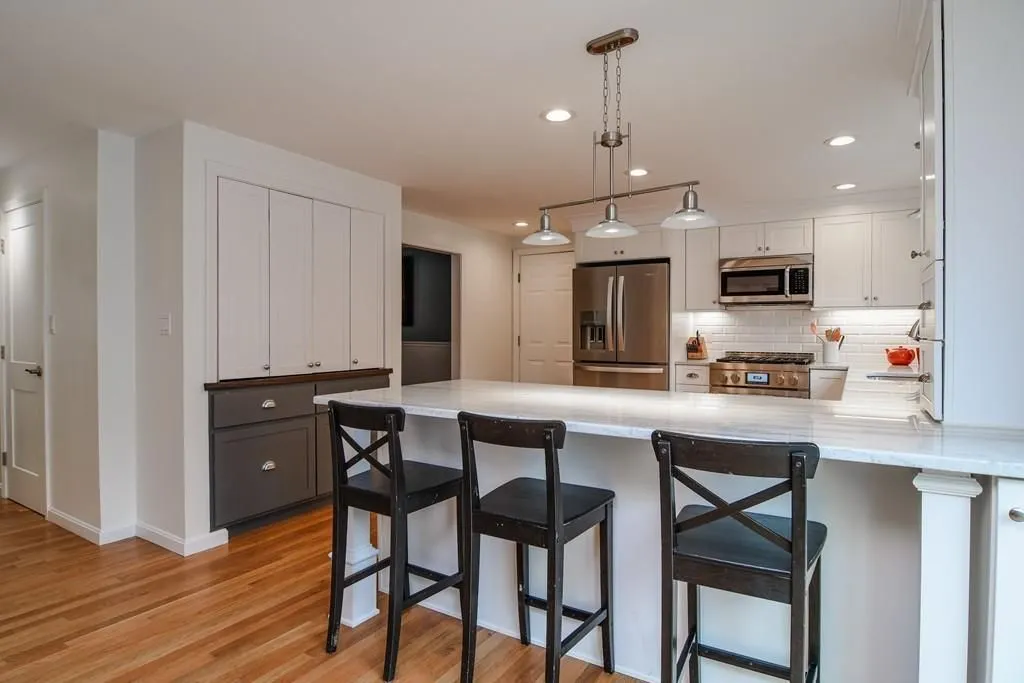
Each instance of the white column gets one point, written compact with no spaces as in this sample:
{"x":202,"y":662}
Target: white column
{"x":945,"y":575}
{"x":361,"y":599}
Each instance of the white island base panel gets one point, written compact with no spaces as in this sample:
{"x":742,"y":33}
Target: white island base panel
{"x":871,"y":562}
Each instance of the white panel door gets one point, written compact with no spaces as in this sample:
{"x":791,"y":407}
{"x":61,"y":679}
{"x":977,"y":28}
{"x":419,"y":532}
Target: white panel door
{"x":545,"y":318}
{"x":842,"y":262}
{"x":291,"y":284}
{"x":738,"y":241}
{"x":331,"y":258}
{"x":1008,"y":598}
{"x":367,"y":287}
{"x":789,"y":237}
{"x":243,"y":284}
{"x":26,"y":431}
{"x":895,"y":276}
{"x":701,"y":271}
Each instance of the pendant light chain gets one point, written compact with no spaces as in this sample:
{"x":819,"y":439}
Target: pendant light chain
{"x":618,"y":90}
{"x":606,"y":93}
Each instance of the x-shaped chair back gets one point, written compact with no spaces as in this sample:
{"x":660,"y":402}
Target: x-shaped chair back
{"x":390,"y":421}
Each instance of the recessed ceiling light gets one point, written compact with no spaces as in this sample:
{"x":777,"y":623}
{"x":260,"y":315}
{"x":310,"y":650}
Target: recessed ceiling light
{"x":558,"y":115}
{"x":840,"y":141}
{"x":638,"y":172}
{"x":844,"y":186}
{"x":522,"y":224}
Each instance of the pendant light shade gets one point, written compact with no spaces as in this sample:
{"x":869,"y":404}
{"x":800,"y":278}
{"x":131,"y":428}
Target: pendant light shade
{"x":689,"y":215}
{"x":611,"y":227}
{"x":545,"y":237}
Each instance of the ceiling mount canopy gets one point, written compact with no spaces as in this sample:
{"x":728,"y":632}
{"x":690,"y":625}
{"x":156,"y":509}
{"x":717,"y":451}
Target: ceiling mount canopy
{"x":689,"y":215}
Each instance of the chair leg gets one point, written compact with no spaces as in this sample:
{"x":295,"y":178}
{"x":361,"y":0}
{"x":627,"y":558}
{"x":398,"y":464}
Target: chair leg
{"x":814,"y":637}
{"x":692,"y":624}
{"x":469,"y":601}
{"x":397,"y":581}
{"x":553,"y":656}
{"x":406,"y":587}
{"x":798,"y":633}
{"x":523,"y":582}
{"x":607,"y":641}
{"x":338,"y":549}
{"x":460,"y":543}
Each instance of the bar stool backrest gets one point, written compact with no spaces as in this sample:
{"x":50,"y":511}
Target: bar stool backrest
{"x":794,"y":463}
{"x":390,"y":421}
{"x":545,"y":435}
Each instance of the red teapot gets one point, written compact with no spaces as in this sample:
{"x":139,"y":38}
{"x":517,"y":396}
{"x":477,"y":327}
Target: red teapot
{"x":901,"y":355}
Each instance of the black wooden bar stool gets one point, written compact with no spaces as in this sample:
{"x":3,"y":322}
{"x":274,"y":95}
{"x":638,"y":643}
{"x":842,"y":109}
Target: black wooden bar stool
{"x":397,"y":490}
{"x":724,"y":547}
{"x":533,"y":512}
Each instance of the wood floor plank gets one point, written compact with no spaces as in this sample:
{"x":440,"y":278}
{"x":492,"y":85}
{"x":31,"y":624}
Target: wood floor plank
{"x":255,"y":610}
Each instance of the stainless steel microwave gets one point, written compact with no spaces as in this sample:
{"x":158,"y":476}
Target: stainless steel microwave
{"x":773,"y":280}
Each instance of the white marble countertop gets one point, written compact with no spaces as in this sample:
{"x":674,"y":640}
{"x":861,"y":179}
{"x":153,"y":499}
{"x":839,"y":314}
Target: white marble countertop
{"x":884,"y":433}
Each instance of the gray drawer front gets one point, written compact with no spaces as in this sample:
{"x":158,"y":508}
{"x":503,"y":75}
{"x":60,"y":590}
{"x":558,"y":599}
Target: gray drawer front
{"x":338,"y":386}
{"x":246,"y":485}
{"x":246,"y":406}
{"x":324,"y":464}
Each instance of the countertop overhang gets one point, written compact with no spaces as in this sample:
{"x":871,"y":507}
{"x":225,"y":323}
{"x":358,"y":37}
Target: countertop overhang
{"x":876,"y":432}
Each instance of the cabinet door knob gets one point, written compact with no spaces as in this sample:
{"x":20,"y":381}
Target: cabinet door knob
{"x":767,"y":248}
{"x":915,"y":254}
{"x":355,"y":361}
{"x":317,"y":364}
{"x":865,"y":298}
{"x":692,"y":375}
{"x":266,"y":366}
{"x":268,"y":404}
{"x":875,"y":298}
{"x":1017,"y":514}
{"x":925,"y":306}
{"x":760,"y":248}
{"x":269,"y":466}
{"x":309,"y":364}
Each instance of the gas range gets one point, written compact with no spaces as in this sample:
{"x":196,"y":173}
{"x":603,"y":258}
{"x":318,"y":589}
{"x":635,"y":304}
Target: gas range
{"x":764,"y":374}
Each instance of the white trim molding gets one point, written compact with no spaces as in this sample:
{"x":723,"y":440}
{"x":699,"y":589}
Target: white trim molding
{"x":945,"y":575}
{"x":74,"y":525}
{"x":178,"y":545}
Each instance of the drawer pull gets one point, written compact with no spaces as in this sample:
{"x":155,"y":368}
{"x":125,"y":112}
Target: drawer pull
{"x":268,"y":404}
{"x":692,"y":375}
{"x":269,"y":466}
{"x":1017,"y":514}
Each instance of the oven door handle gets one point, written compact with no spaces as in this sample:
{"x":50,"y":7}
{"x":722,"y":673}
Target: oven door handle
{"x":622,"y":370}
{"x":785,"y":282}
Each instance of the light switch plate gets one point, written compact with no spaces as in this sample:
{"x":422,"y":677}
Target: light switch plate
{"x":165,"y":324}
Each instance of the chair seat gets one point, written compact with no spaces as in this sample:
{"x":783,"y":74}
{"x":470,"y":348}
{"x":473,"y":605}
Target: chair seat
{"x":522,"y":503}
{"x":729,"y":543}
{"x":425,"y":484}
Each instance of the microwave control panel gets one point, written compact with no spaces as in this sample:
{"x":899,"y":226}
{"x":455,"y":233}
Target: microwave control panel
{"x":800,"y":281}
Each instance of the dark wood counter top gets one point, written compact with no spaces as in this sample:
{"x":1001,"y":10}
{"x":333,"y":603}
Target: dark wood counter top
{"x":295,"y":379}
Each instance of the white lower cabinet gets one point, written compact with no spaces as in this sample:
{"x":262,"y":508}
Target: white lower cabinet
{"x":701,"y":269}
{"x":693,"y":378}
{"x":1007,"y":597}
{"x":828,"y":385}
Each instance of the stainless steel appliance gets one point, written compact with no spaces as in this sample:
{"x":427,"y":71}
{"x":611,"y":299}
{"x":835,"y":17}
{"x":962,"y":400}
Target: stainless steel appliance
{"x":621,"y":325}
{"x":774,"y":280}
{"x":763,"y":374}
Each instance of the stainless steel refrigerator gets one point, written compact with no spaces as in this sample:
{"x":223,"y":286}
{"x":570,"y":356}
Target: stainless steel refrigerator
{"x":621,"y":326}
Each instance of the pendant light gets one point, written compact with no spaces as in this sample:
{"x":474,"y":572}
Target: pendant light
{"x":689,"y":215}
{"x":545,"y":237}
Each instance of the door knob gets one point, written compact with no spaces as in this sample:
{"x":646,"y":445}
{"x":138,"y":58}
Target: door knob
{"x":37,"y":371}
{"x":1017,"y":514}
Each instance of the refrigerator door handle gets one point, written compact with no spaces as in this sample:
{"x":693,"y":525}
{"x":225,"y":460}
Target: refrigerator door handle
{"x":608,"y":312}
{"x":621,"y":370}
{"x":620,"y":317}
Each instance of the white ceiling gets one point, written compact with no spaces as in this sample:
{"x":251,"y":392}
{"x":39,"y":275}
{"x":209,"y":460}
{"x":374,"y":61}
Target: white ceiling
{"x":443,"y":97}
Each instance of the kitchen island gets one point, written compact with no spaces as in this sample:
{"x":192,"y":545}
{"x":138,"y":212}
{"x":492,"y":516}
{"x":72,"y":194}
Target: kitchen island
{"x":894,"y":489}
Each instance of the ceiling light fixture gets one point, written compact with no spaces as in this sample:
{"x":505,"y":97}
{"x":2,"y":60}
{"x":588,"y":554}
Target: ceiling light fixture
{"x":844,"y":186}
{"x":610,"y":138}
{"x":522,"y":224}
{"x":689,"y":215}
{"x":841,"y":141}
{"x":545,"y":237}
{"x":558,"y":115}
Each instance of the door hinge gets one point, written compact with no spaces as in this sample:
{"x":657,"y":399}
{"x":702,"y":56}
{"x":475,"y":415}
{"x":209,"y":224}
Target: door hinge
{"x":518,"y":338}
{"x":519,"y":277}
{"x":3,"y":246}
{"x":3,"y":352}
{"x":3,"y":458}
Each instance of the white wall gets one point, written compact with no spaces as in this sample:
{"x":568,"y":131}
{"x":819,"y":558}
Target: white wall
{"x":68,"y":177}
{"x":486,"y":290}
{"x":984,"y":108}
{"x":115,"y":327}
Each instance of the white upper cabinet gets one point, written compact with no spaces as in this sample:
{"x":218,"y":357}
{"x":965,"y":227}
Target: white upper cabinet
{"x":331,"y":293}
{"x":243,"y":306}
{"x":789,"y":237}
{"x":842,"y":262}
{"x":701,"y":269}
{"x":367,"y":287}
{"x":932,"y":219}
{"x":648,"y":244}
{"x":895,"y":276}
{"x":291,"y":284}
{"x":739,"y":241}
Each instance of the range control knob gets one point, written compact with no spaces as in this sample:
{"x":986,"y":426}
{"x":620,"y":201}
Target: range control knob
{"x":725,"y":379}
{"x":735,"y":378}
{"x":793,"y":380}
{"x":780,"y":380}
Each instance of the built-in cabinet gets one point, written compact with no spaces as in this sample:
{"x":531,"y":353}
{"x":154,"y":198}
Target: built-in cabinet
{"x":701,"y":269}
{"x":1005,"y":656}
{"x":300,"y":284}
{"x":826,"y":384}
{"x":778,"y":238}
{"x":645,"y":245}
{"x":864,"y":260}
{"x":693,"y":378}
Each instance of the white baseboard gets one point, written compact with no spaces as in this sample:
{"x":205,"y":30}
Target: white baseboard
{"x":115,"y":535}
{"x":176,"y":544}
{"x":74,"y":525}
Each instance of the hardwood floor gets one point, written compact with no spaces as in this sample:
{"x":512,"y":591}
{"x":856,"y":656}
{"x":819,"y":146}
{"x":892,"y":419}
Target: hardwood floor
{"x":254,"y":610}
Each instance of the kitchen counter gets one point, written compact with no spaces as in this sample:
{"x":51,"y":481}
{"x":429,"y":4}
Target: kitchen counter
{"x":893,"y":488}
